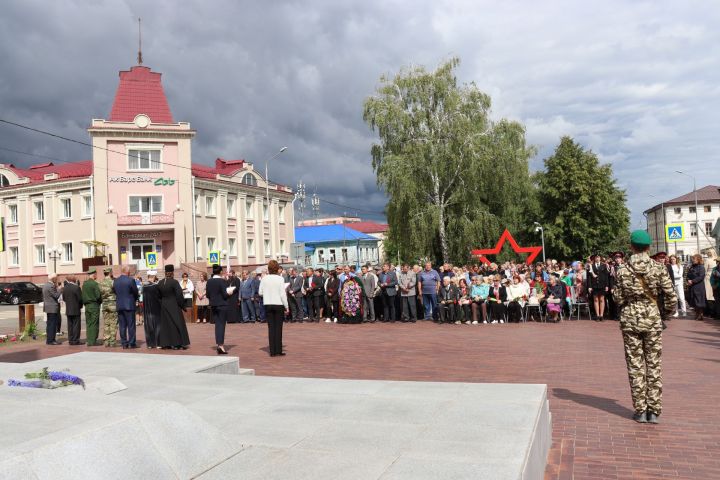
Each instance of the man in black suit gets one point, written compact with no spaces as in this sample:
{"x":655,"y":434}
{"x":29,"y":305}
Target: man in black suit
{"x":218,"y":294}
{"x":295,"y":296}
{"x":72,"y":296}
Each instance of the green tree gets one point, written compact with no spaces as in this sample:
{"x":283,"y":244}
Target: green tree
{"x":583,"y":210}
{"x":454,"y":177}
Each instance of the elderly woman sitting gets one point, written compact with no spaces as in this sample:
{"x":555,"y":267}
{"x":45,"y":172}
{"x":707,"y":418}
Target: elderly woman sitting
{"x":497,"y":298}
{"x":462,"y":309}
{"x":517,"y":296}
{"x":555,"y":298}
{"x":478,"y":294}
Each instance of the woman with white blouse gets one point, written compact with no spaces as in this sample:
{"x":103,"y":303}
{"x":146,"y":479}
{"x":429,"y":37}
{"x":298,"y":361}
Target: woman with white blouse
{"x":272,"y":291}
{"x":678,"y":272}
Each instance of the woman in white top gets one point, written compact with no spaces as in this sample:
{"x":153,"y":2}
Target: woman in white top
{"x":272,"y":291}
{"x":678,"y":272}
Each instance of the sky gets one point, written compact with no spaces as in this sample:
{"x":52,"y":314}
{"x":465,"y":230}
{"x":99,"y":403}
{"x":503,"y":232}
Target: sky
{"x":636,"y":82}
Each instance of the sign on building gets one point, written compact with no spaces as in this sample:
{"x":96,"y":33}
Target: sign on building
{"x":151,"y":260}
{"x":675,"y":232}
{"x":214,"y":257}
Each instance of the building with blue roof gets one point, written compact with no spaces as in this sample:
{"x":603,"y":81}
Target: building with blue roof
{"x":327,"y":246}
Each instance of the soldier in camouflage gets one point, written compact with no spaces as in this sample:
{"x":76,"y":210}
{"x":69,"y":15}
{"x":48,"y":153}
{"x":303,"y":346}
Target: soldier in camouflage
{"x":109,"y":310}
{"x":639,"y":282}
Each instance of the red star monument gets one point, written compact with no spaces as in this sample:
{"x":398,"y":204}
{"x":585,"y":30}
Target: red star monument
{"x":507,"y":236}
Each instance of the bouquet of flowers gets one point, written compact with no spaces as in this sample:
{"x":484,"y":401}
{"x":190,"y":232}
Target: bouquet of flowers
{"x":350,"y":301}
{"x":47,"y":379}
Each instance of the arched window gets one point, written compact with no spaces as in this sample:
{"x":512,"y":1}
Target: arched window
{"x":4,"y":182}
{"x":249,"y":179}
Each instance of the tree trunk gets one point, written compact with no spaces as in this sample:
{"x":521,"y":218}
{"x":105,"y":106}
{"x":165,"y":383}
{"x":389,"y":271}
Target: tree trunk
{"x":439,"y":201}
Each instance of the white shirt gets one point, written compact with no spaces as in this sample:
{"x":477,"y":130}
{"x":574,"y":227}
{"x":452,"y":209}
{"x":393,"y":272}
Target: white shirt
{"x":272,"y":289}
{"x":188,"y":289}
{"x":677,"y":270}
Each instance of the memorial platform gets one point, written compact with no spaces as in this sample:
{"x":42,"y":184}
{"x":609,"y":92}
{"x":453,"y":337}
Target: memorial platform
{"x":153,"y":416}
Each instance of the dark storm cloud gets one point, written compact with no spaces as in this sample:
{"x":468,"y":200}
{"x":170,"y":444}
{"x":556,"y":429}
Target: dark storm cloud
{"x":636,"y":82}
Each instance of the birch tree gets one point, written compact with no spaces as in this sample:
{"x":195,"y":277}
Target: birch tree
{"x":454,"y":178}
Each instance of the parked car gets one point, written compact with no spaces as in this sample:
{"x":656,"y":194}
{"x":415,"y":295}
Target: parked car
{"x":17,"y":293}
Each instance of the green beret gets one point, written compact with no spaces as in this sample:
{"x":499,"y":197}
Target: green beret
{"x":641,"y":238}
{"x":108,"y":270}
{"x":91,"y":270}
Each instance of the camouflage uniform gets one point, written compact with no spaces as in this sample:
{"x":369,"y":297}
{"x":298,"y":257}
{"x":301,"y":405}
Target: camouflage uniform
{"x":641,"y":326}
{"x":109,"y":311}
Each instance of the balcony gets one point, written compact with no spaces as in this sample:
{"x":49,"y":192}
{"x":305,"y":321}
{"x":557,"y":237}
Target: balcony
{"x":146,"y":219}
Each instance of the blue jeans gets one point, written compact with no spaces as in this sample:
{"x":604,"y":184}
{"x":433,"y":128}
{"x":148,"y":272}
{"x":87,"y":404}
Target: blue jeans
{"x":248,"y":310}
{"x":430,"y":304}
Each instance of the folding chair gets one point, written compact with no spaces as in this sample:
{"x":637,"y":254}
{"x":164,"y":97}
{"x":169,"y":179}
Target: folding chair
{"x":531,"y":307}
{"x":576,"y":306}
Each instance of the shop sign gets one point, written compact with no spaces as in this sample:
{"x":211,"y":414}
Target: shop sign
{"x":164,"y":181}
{"x":139,"y":235}
{"x":131,"y":179}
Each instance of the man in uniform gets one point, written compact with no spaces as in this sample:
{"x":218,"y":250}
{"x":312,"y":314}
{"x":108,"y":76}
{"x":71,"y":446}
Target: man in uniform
{"x":92,"y":299}
{"x":109,"y":309}
{"x":639,"y":282}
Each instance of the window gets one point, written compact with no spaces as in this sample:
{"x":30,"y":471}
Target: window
{"x":332,"y":256}
{"x":210,"y":206}
{"x":708,"y":228}
{"x":197,"y":204}
{"x":249,"y":179}
{"x":707,"y":208}
{"x":321,"y":256}
{"x":677,"y":210}
{"x":231,"y":208}
{"x":67,"y":252}
{"x":89,"y":251}
{"x":198,"y":248}
{"x":344,"y":252}
{"x":14,"y":256}
{"x":693,"y":229}
{"x":144,"y":160}
{"x":150,"y":204}
{"x":210,"y":244}
{"x":232,"y":247}
{"x":13,"y":213}
{"x":39,"y":254}
{"x":65,"y":208}
{"x":249,"y":209}
{"x":87,"y":206}
{"x":251,"y":247}
{"x":268,"y":251}
{"x":282,"y":246}
{"x":692,"y":209}
{"x":4,"y":182}
{"x":39,"y":211}
{"x":281,"y":212}
{"x":266,"y":212}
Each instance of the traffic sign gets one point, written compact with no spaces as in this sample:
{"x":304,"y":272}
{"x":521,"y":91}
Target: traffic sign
{"x":675,"y":232}
{"x":151,"y":260}
{"x":214,"y":257}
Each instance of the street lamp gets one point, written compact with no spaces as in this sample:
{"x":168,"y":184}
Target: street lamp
{"x":697,"y":221}
{"x":54,"y":253}
{"x":267,"y":185}
{"x":539,"y":228}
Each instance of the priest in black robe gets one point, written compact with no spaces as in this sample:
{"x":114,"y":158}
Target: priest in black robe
{"x":233,"y":308}
{"x":173,"y":331}
{"x":151,"y":310}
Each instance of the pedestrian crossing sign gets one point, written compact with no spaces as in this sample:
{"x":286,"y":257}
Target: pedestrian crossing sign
{"x":151,"y":260}
{"x":214,"y":258}
{"x":675,"y":232}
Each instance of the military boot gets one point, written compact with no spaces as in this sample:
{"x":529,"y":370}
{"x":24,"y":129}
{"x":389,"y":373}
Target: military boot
{"x":640,"y":417}
{"x":652,"y":417}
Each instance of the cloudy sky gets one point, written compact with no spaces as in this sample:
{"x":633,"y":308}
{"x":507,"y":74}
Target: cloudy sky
{"x":638,"y":82}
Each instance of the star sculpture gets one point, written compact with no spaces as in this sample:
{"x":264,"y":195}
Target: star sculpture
{"x":507,"y":236}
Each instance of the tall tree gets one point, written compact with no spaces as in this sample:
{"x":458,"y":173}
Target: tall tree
{"x":454,"y":178}
{"x":582,"y":207}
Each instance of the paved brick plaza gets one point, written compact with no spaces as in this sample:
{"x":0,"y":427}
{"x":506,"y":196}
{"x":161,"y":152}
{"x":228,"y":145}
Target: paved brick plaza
{"x":582,"y":363}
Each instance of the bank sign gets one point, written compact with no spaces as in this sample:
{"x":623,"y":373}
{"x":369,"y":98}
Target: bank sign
{"x":158,"y":182}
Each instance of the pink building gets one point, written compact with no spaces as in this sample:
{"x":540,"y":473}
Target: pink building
{"x":140,"y":193}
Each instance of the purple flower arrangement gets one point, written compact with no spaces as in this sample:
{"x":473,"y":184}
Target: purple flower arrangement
{"x":47,"y":379}
{"x":351,"y":298}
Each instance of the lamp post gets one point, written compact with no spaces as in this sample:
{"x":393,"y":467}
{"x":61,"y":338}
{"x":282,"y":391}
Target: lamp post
{"x":54,"y":253}
{"x":267,"y":186}
{"x":697,"y":221}
{"x":540,"y":228}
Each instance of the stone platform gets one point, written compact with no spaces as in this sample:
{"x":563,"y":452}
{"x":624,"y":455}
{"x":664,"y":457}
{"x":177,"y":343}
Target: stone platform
{"x":150,"y":416}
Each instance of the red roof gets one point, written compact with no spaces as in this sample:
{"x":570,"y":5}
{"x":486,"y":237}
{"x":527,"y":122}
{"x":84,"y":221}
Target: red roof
{"x":709,"y":193}
{"x":36,"y":173}
{"x":222,"y":167}
{"x":140,"y":91}
{"x":368,"y":227}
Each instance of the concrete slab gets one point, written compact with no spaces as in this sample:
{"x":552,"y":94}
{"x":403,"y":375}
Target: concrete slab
{"x":173,"y":422}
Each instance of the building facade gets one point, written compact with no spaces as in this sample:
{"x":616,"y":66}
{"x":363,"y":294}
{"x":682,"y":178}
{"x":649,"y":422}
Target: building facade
{"x":140,"y":193}
{"x":681,"y":210}
{"x":327,"y":246}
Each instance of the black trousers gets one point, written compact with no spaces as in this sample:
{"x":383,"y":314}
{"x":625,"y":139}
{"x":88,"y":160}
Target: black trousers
{"x":408,"y":308}
{"x":219,"y":314}
{"x":126,"y":321}
{"x":388,"y":307}
{"x":202,"y":312}
{"x":73,"y":328}
{"x":296,"y":308}
{"x":274,"y":316}
{"x":447,"y":312}
{"x":333,"y":303}
{"x":315,"y":303}
{"x":52,"y":326}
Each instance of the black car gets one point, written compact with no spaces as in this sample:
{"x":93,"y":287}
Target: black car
{"x":16,"y":293}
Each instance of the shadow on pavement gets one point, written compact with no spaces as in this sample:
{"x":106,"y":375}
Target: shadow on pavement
{"x":608,"y":405}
